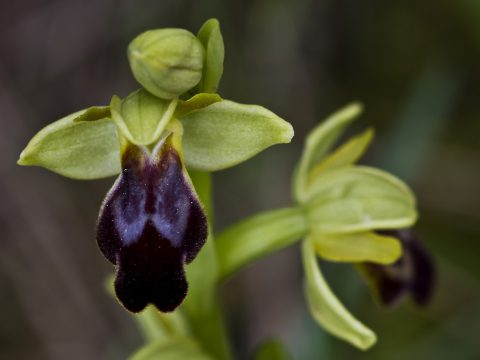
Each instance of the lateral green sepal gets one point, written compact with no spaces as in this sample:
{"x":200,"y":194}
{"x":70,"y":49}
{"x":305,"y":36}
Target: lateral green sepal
{"x":81,"y":146}
{"x":226,"y":133}
{"x":327,"y":310}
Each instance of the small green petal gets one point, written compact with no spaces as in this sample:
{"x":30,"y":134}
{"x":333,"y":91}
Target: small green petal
{"x":357,"y":247}
{"x":76,"y":148}
{"x":141,"y":117}
{"x":227,"y":133}
{"x":358,"y":199}
{"x":327,"y":310}
{"x":319,"y":142}
{"x":212,"y":40}
{"x":175,"y":348}
{"x":94,"y":113}
{"x":347,"y":154}
{"x":196,"y":102}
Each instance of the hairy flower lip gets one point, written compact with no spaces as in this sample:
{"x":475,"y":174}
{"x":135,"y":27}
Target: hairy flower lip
{"x":151,"y":224}
{"x":413,"y":273}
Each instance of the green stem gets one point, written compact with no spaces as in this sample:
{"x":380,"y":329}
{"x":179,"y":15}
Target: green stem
{"x":201,"y":305}
{"x":257,"y":236}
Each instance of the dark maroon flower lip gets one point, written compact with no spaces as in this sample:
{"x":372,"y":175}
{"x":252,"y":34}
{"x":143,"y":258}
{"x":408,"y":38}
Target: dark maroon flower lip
{"x":151,"y":224}
{"x":413,"y":273}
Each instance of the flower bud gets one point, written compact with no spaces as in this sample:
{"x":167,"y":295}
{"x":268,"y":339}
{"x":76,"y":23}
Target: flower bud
{"x":167,"y":62}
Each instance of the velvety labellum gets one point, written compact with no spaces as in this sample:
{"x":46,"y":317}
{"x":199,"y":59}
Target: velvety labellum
{"x":151,"y":224}
{"x":412,"y":274}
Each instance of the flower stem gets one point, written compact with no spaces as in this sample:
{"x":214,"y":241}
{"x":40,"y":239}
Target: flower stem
{"x":201,"y":305}
{"x":258,"y":236}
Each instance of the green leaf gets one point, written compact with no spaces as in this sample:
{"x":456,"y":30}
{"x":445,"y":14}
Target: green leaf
{"x":227,"y":133}
{"x":258,"y":236}
{"x":211,"y":39}
{"x":327,"y":310}
{"x":319,"y":141}
{"x":196,"y":102}
{"x":347,"y":154}
{"x":357,"y":247}
{"x":358,"y":199}
{"x":272,"y":350}
{"x":142,"y":117}
{"x":178,"y":348}
{"x":80,"y":149}
{"x":157,"y":325}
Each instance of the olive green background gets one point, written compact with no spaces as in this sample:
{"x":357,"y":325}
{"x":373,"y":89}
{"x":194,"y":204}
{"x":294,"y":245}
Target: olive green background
{"x":415,"y":66}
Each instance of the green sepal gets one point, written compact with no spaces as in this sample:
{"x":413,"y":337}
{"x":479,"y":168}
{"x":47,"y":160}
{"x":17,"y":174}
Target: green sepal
{"x":258,"y":236}
{"x":325,"y":307}
{"x":357,"y":247}
{"x":176,"y":348}
{"x":226,"y":133}
{"x":211,"y":38}
{"x":196,"y":102}
{"x":80,"y":146}
{"x":141,"y":116}
{"x":347,"y":154}
{"x":319,"y":141}
{"x":272,"y":350}
{"x":359,"y":198}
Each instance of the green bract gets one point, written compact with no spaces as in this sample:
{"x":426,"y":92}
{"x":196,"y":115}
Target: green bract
{"x":226,"y":133}
{"x":141,"y":116}
{"x":80,"y":146}
{"x":166,"y":62}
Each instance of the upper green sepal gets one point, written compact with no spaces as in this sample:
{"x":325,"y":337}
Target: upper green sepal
{"x":166,"y":62}
{"x":358,"y":198}
{"x":226,"y":133}
{"x":212,"y":40}
{"x":82,"y":145}
{"x":141,"y":117}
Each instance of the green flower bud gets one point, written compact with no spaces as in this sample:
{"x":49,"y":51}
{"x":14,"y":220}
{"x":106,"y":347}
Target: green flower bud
{"x":167,"y":62}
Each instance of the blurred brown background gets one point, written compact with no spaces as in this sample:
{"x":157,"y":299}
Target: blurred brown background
{"x":415,"y":65}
